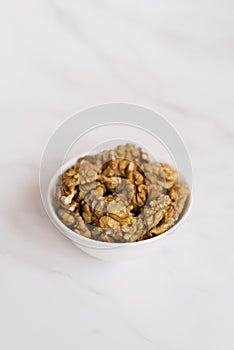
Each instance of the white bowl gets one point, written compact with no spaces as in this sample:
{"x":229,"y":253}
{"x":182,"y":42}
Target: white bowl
{"x":102,"y":127}
{"x":103,"y":250}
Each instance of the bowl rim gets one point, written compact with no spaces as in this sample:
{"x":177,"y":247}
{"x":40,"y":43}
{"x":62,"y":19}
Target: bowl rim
{"x":95,"y":244}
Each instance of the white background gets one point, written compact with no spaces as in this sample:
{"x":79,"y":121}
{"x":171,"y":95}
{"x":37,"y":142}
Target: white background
{"x":58,"y":57}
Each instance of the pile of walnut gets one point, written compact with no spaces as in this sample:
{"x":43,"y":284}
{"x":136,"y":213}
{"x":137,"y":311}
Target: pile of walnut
{"x":119,"y":196}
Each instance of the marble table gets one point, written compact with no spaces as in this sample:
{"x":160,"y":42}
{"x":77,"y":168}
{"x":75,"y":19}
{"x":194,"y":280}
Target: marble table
{"x":59,"y":57}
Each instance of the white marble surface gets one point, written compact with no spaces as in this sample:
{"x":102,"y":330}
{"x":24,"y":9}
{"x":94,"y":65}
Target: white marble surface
{"x":58,"y":57}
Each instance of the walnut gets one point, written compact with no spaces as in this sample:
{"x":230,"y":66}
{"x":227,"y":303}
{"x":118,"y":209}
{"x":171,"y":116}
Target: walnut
{"x":167,"y":176}
{"x":69,"y":181}
{"x":118,"y":167}
{"x":133,"y":174}
{"x":155,"y":190}
{"x":69,"y":184}
{"x":120,"y":212}
{"x":96,"y":231}
{"x":106,"y":238}
{"x":125,"y":190}
{"x":160,"y":173}
{"x":139,"y":198}
{"x":108,"y":222}
{"x":111,"y":183}
{"x":119,"y":196}
{"x":67,"y":217}
{"x":71,"y":172}
{"x":87,"y":172}
{"x":65,"y":202}
{"x":131,"y":152}
{"x":86,"y":213}
{"x":178,"y":194}
{"x":90,"y":191}
{"x":117,"y":208}
{"x":80,"y":226}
